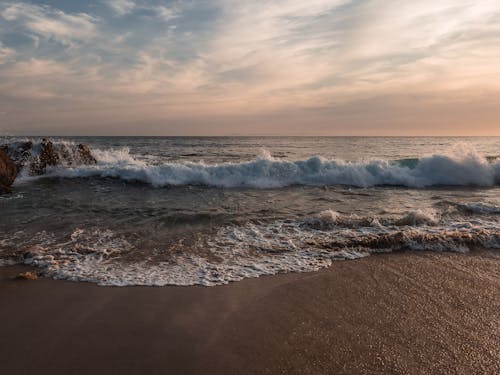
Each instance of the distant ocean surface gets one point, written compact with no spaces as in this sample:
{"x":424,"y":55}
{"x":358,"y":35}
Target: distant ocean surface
{"x":208,"y":211}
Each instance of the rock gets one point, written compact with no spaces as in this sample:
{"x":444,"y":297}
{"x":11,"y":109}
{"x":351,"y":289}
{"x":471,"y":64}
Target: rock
{"x":27,"y":276}
{"x":8,"y":172}
{"x":36,"y":157}
{"x":84,"y":155}
{"x":65,"y":154}
{"x":48,"y":156}
{"x":20,"y":153}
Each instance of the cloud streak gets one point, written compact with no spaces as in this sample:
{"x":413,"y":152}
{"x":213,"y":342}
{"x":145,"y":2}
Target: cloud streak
{"x":51,"y":23}
{"x":323,"y":66}
{"x":121,"y":7}
{"x":6,"y":54}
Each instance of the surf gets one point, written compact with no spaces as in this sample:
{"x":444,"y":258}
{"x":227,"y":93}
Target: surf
{"x":460,"y":165}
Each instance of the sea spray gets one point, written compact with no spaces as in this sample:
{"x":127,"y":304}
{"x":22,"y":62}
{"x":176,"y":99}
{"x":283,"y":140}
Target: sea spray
{"x":461,"y":165}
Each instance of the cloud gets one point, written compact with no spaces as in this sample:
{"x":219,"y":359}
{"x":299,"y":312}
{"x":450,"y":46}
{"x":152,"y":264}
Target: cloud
{"x":51,"y":23}
{"x":6,"y":54}
{"x":165,"y":13}
{"x":121,"y":7}
{"x":334,"y":53}
{"x":327,"y":59}
{"x":34,"y":79}
{"x":124,"y":7}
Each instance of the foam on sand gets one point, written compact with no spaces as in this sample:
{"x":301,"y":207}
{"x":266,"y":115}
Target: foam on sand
{"x":251,"y":250}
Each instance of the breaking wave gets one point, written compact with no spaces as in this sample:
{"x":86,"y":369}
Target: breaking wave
{"x":460,"y":166}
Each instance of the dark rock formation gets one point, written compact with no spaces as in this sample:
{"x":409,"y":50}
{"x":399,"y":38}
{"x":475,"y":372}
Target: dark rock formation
{"x":84,"y":155}
{"x":20,"y":153}
{"x":36,"y":157}
{"x":48,"y":156}
{"x":8,"y":172}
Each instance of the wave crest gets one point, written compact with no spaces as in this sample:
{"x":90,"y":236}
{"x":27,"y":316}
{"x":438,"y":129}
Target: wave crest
{"x":460,"y":166}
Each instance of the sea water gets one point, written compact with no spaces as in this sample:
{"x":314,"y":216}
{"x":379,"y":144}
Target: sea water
{"x":208,"y":211}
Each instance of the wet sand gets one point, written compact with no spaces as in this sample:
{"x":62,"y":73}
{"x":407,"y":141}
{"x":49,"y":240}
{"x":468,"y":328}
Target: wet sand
{"x":415,"y":313}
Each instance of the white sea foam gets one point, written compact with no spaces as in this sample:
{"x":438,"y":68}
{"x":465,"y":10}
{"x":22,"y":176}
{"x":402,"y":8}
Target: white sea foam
{"x":424,"y":216}
{"x":329,"y":216}
{"x":8,"y":197}
{"x":250,"y":250}
{"x":481,"y":208}
{"x":460,"y":166}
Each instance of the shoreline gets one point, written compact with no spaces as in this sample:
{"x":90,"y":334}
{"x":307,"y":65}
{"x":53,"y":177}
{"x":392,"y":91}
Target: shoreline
{"x":408,"y":312}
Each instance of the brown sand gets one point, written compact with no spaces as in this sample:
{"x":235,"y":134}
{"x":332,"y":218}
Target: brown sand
{"x":415,"y":313}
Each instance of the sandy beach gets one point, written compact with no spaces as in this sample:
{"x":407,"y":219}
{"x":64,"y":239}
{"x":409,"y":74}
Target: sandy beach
{"x":247,"y":187}
{"x":405,"y":313}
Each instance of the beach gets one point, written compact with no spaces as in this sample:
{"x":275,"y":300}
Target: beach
{"x":243,"y":187}
{"x":404,"y":313}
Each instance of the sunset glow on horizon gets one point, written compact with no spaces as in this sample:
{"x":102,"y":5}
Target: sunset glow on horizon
{"x":282,"y":67}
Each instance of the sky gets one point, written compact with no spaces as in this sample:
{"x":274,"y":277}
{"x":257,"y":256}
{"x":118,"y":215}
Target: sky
{"x":245,"y":67}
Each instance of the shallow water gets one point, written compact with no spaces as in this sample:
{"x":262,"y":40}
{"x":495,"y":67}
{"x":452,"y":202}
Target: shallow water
{"x":184,"y":211}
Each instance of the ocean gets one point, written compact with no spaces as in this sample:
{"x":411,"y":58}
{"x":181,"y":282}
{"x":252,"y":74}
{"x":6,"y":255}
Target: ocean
{"x":212,"y":210}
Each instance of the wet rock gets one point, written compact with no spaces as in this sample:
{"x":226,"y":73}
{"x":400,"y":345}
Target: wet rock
{"x":20,"y":153}
{"x":36,"y":157}
{"x":65,"y":154}
{"x":27,"y":276}
{"x":48,"y":157}
{"x":8,"y":172}
{"x":84,"y":155}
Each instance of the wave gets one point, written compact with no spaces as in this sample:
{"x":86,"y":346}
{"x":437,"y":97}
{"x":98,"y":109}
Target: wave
{"x":480,"y":208}
{"x":236,"y":252}
{"x":461,"y":165}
